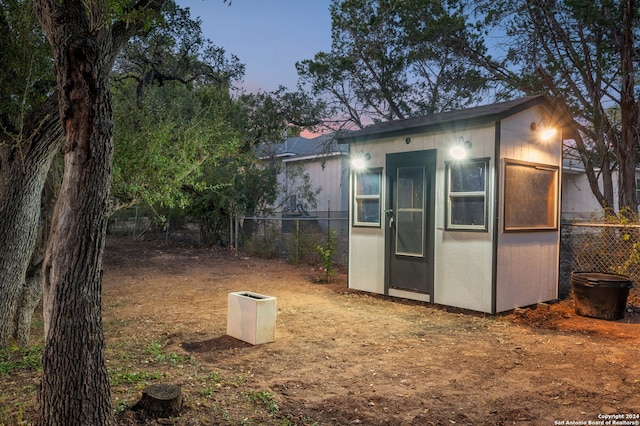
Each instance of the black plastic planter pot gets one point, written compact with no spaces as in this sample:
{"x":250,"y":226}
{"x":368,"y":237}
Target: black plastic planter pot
{"x":600,"y":295}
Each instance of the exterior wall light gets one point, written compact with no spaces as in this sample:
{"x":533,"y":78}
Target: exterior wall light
{"x":544,"y":130}
{"x":359,"y":162}
{"x":459,"y":150}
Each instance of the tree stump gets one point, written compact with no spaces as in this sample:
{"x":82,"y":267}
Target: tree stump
{"x":160,"y":401}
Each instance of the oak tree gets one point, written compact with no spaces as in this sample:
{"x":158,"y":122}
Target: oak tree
{"x":583,"y":55}
{"x":391,"y":60}
{"x":85,"y":38}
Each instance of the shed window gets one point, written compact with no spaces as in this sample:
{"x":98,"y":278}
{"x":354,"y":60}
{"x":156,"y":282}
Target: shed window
{"x":467,"y":195}
{"x":366,"y":201}
{"x":530,"y":196}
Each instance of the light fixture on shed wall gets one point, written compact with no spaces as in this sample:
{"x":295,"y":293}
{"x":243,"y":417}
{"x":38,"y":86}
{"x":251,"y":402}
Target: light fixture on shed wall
{"x":459,"y":150}
{"x":359,"y":162}
{"x":542,"y":128}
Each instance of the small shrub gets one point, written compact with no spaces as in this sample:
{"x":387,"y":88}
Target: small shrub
{"x":326,"y":253}
{"x":265,"y":244}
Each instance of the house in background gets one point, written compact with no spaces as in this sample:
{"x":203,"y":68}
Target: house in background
{"x":327,"y":165}
{"x":480,"y":233}
{"x":578,"y":202}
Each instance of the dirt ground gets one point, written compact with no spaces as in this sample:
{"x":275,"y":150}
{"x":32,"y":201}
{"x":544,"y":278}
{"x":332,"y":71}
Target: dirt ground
{"x":343,"y":357}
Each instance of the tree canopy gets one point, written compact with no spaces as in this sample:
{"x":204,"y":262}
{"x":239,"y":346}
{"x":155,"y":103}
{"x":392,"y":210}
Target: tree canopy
{"x":391,"y":60}
{"x":582,"y":54}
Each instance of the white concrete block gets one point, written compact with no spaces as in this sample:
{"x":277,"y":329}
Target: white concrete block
{"x":251,"y":317}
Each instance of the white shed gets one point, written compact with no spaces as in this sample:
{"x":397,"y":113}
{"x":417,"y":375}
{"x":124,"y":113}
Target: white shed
{"x":479,"y":233}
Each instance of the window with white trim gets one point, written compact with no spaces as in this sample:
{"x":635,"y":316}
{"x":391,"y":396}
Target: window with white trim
{"x":366,"y":197}
{"x":467,"y":195}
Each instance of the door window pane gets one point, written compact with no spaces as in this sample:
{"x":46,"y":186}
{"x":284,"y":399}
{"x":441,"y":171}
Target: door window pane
{"x":410,"y":211}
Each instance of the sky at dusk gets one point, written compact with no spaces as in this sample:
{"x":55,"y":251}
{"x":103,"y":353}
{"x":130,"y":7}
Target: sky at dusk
{"x":268,"y":36}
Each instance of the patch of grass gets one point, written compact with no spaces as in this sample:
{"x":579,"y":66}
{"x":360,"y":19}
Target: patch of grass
{"x":116,"y":324}
{"x":121,"y":406}
{"x":18,"y":358}
{"x":37,"y":323}
{"x":158,"y":355}
{"x":206,"y":392}
{"x":118,"y":377}
{"x":265,"y":398}
{"x":11,"y":418}
{"x":214,"y":377}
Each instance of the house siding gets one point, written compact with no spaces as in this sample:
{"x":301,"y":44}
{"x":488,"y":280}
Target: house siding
{"x":330,"y":176}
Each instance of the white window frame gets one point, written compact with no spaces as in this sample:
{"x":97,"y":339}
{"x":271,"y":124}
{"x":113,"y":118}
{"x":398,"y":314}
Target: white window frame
{"x":451,"y":196}
{"x":358,"y":199}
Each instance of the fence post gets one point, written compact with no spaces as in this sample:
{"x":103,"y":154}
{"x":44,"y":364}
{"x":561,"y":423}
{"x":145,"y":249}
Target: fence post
{"x":297,"y":240}
{"x":235,"y":216}
{"x":230,"y":230}
{"x":135,"y":223}
{"x":328,"y":219}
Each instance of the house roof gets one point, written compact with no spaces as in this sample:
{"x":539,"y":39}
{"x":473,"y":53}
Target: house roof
{"x":301,"y":148}
{"x":445,"y":120}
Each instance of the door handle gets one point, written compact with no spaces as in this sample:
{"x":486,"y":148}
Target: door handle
{"x":389,"y":213}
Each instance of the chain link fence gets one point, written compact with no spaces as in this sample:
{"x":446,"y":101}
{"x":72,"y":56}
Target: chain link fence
{"x":290,"y":236}
{"x":293,"y":237}
{"x":599,"y":247}
{"x":588,"y":247}
{"x":140,"y":222}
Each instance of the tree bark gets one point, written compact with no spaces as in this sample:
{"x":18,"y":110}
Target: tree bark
{"x":23,"y":172}
{"x":75,"y":386}
{"x":630,"y":116}
{"x":31,"y":293}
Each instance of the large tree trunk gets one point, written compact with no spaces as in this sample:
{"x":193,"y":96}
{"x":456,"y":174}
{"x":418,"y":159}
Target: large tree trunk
{"x":22,"y":175}
{"x":630,"y":114}
{"x":75,"y":385}
{"x":23,"y":169}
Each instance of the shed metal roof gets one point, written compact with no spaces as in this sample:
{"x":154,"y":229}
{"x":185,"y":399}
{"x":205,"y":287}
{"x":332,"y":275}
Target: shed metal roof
{"x":445,"y":120}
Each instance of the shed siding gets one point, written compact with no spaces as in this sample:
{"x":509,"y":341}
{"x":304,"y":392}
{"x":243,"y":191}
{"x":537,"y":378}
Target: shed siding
{"x":463,"y":261}
{"x":527,"y":262}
